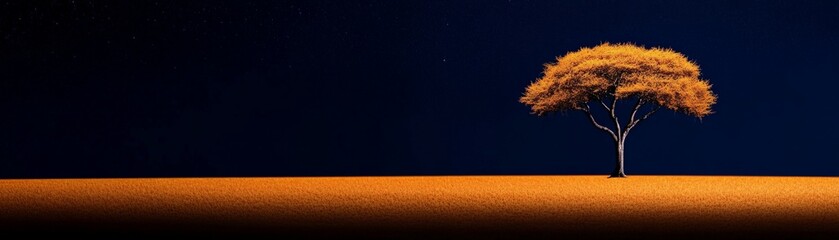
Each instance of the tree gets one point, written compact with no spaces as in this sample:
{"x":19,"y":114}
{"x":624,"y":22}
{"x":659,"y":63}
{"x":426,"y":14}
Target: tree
{"x":607,"y":73}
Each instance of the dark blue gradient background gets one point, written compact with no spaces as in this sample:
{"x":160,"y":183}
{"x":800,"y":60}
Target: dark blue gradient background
{"x":302,"y":88}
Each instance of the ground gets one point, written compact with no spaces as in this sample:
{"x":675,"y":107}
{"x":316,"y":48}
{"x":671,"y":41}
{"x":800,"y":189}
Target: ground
{"x":430,"y":206}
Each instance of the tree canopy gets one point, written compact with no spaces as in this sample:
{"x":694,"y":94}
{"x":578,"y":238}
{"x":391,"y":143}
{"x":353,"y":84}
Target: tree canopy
{"x":652,"y":75}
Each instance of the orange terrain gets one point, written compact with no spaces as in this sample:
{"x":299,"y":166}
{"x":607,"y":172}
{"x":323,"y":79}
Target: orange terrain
{"x":549,"y":206}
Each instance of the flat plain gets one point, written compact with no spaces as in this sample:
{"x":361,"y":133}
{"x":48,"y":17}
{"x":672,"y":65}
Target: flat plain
{"x":429,"y":206}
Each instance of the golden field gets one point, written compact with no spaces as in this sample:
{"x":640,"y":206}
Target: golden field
{"x":551,"y":206}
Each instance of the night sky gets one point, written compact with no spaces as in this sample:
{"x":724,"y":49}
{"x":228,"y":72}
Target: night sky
{"x":309,"y":88}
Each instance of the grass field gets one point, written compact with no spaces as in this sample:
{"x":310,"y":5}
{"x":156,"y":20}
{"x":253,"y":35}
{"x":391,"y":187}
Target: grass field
{"x":551,"y":206}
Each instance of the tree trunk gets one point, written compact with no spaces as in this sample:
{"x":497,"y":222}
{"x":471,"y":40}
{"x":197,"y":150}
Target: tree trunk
{"x":618,"y":172}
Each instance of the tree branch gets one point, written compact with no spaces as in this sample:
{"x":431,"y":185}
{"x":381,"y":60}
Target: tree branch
{"x":649,"y":113}
{"x":587,"y":110}
{"x":614,"y":116}
{"x":614,"y":105}
{"x":635,"y":122}
{"x":604,"y":105}
{"x":635,"y":110}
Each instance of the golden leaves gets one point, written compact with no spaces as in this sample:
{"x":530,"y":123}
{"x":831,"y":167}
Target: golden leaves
{"x":657,"y":75}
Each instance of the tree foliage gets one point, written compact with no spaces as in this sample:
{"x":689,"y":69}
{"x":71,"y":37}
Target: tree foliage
{"x":657,"y":76}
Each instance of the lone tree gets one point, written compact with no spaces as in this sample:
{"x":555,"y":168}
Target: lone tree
{"x":607,"y":73}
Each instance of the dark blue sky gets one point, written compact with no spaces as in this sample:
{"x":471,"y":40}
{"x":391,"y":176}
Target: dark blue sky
{"x":295,"y":88}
